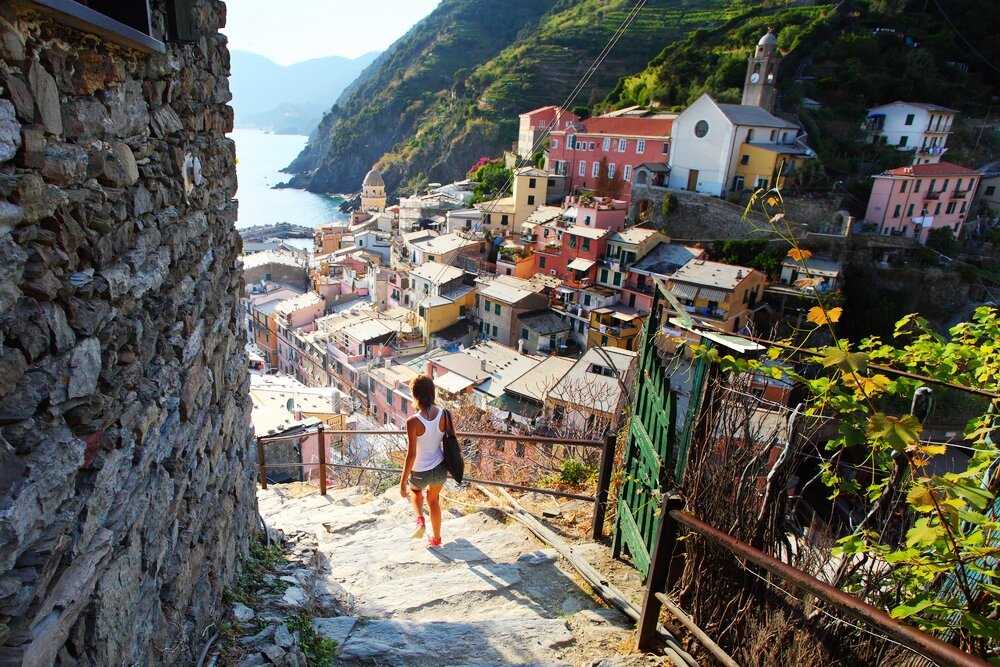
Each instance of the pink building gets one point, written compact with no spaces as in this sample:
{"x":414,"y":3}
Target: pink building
{"x":626,"y":140}
{"x":389,"y":393}
{"x":912,"y":200}
{"x":569,"y":252}
{"x":596,"y":212}
{"x":535,"y":125}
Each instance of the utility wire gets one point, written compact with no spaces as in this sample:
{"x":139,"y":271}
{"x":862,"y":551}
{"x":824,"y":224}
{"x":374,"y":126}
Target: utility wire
{"x":598,"y":61}
{"x":962,"y":37}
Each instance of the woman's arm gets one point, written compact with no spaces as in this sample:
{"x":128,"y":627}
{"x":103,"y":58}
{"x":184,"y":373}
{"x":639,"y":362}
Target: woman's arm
{"x":411,"y":456}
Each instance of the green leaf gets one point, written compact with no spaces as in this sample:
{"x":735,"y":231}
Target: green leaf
{"x":924,"y":533}
{"x":975,"y":495}
{"x":897,"y":432}
{"x":981,"y":626}
{"x":913,"y":607}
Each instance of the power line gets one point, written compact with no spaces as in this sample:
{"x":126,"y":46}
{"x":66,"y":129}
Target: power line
{"x":962,"y":37}
{"x":598,"y":61}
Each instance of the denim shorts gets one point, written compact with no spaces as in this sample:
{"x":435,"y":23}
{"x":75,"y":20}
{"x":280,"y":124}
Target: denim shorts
{"x":436,"y":475}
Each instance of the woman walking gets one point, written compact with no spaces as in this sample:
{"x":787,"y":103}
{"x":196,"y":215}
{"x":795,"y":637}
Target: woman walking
{"x":424,"y":471}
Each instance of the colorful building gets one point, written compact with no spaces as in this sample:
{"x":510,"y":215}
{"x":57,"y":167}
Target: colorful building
{"x":615,"y":326}
{"x":501,"y":300}
{"x":721,"y":296}
{"x":912,"y":200}
{"x":921,"y":129}
{"x":535,"y":125}
{"x":625,"y":139}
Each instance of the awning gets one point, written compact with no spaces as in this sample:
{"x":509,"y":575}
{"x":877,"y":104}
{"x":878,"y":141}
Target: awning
{"x":683,"y":291}
{"x":571,"y":212}
{"x":625,"y":317}
{"x":453,"y":383}
{"x":709,"y":294}
{"x":565,"y":290}
{"x":580,"y":264}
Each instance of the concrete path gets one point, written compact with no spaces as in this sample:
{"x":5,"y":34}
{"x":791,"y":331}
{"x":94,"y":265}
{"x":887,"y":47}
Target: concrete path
{"x":492,"y":594}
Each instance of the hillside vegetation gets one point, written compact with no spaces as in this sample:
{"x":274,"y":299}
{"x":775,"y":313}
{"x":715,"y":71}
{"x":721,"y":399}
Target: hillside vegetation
{"x":849,"y":56}
{"x":450,"y":90}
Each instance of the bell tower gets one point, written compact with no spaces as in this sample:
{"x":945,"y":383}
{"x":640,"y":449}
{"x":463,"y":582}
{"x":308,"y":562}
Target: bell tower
{"x":760,"y":86}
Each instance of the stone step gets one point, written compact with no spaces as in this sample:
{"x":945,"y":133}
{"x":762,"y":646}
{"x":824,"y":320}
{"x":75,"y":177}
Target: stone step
{"x":457,"y":642}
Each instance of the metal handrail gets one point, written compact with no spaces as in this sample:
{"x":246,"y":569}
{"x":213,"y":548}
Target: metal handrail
{"x":600,"y":498}
{"x":923,"y":644}
{"x":475,"y":435}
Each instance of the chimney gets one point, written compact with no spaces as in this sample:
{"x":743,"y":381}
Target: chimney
{"x":483,"y":364}
{"x":430,"y":369}
{"x":520,"y":345}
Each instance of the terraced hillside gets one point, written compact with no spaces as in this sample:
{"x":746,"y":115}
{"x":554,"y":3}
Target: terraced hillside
{"x":849,"y":56}
{"x":450,"y":90}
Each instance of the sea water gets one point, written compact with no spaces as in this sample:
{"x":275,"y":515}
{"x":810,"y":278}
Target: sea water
{"x":260,"y":157}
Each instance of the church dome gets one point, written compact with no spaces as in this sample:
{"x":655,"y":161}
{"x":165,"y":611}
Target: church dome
{"x":769,"y":39}
{"x":373,"y":179}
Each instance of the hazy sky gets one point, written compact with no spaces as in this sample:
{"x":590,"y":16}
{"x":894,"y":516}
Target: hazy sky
{"x":290,"y":31}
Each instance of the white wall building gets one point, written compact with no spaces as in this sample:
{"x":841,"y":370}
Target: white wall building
{"x":706,"y":142}
{"x":922,"y":129}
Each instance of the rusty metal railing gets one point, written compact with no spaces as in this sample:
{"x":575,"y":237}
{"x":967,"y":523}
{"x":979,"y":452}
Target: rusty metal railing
{"x":600,"y":497}
{"x":667,"y":541}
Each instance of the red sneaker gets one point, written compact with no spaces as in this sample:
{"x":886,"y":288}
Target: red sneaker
{"x":419,"y":532}
{"x":433,"y":541}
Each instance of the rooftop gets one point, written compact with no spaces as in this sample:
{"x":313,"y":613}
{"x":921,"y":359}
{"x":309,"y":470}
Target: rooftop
{"x":711,"y":274}
{"x":507,"y":291}
{"x":745,"y":114}
{"x":544,"y":322}
{"x":586,"y":232}
{"x":297,"y":303}
{"x":935,"y":169}
{"x":543,"y":214}
{"x":918,"y":105}
{"x":629,"y":126}
{"x":442,"y":244}
{"x":632,"y":235}
{"x":437,"y":273}
{"x":274,"y":257}
{"x":582,"y":386}
{"x":784,"y":149}
{"x":665,"y":259}
{"x":827,"y":267}
{"x":536,"y":383}
{"x":267,"y":302}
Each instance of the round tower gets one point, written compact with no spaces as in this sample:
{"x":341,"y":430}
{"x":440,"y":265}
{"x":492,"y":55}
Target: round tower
{"x":761,"y":85}
{"x":373,"y":191}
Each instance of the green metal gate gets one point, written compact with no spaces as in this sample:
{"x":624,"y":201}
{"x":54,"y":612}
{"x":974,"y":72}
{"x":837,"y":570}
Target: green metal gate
{"x":647,"y":455}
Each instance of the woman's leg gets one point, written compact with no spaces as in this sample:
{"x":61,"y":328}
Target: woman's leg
{"x":434,"y":504}
{"x":417,"y":496}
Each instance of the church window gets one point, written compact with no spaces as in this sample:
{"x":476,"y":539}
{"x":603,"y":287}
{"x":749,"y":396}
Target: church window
{"x":640,"y":146}
{"x":622,"y":145}
{"x":700,"y":129}
{"x":607,"y":144}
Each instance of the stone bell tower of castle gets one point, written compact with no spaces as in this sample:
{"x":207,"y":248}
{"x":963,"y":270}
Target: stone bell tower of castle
{"x":760,"y":86}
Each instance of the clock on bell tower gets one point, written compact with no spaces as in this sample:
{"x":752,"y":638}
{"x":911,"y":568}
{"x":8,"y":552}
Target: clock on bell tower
{"x":760,"y":86}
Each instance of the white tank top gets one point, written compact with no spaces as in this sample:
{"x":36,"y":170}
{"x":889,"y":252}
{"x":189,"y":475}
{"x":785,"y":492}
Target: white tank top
{"x":429,"y":450}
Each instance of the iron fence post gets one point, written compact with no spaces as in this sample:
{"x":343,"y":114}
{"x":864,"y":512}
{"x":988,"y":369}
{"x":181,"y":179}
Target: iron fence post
{"x":261,"y":463}
{"x":659,"y":568}
{"x":603,"y":485}
{"x":322,"y":459}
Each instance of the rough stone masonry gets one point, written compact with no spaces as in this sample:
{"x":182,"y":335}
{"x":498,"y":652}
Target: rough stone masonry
{"x":126,"y":472}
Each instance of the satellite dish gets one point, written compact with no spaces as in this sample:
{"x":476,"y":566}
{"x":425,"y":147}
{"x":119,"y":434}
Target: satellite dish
{"x":290,"y":404}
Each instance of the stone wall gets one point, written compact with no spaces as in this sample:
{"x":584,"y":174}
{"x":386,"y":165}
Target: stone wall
{"x":126,"y":471}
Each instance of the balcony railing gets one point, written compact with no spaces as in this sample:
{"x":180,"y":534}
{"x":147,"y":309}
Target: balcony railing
{"x":932,"y":195}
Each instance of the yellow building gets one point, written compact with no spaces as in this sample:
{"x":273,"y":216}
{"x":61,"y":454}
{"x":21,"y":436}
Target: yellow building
{"x":721,"y":296}
{"x":765,"y":165}
{"x":531,"y":190}
{"x":440,"y":294}
{"x":614,"y":327}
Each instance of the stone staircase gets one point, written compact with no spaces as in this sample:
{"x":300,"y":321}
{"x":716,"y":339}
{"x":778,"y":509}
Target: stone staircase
{"x":491,"y":595}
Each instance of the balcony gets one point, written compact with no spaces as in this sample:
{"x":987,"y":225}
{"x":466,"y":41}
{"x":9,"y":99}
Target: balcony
{"x":648,"y":290}
{"x":932,"y":195}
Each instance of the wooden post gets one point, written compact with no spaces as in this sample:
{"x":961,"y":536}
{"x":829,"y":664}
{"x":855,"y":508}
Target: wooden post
{"x":261,"y":463}
{"x":603,"y":486}
{"x":659,"y":567}
{"x":322,"y":459}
